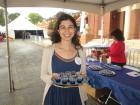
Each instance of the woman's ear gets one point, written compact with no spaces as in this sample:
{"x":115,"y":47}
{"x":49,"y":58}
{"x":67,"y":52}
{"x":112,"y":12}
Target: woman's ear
{"x":58,"y":31}
{"x":78,"y":33}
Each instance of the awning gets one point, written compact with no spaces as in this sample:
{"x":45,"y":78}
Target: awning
{"x":84,"y":5}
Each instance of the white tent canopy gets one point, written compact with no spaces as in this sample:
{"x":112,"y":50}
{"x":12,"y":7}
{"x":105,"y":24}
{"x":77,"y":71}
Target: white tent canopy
{"x":2,"y":29}
{"x":84,"y":5}
{"x":21,"y":23}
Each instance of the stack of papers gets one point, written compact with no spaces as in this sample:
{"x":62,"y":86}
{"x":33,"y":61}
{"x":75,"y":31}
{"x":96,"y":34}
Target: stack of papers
{"x":132,"y":68}
{"x":133,"y":74}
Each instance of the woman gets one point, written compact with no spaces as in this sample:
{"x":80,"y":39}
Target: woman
{"x":117,"y":49}
{"x":65,"y":54}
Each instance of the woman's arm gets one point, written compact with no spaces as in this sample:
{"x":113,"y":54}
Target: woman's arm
{"x":45,"y":75}
{"x":83,"y":61}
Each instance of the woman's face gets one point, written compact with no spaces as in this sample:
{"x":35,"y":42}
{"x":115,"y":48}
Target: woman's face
{"x":66,"y":30}
{"x":113,"y":37}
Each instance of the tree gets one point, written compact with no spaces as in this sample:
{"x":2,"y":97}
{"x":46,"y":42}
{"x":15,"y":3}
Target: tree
{"x":52,"y":24}
{"x":13,"y":16}
{"x":35,"y":18}
{"x":2,"y":19}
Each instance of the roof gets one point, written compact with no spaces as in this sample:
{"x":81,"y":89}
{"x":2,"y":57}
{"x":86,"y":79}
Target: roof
{"x":84,"y":5}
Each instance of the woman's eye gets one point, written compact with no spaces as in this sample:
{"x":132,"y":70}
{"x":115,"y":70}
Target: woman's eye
{"x":71,"y":27}
{"x":66,"y":28}
{"x":62,"y":28}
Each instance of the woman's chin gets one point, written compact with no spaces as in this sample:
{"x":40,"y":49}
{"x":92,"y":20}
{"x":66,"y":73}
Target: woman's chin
{"x":67,"y":39}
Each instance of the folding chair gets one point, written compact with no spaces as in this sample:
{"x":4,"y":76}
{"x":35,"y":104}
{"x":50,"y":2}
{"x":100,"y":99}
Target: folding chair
{"x":109,"y":100}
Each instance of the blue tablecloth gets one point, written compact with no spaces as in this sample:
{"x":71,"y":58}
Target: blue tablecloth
{"x":125,"y":88}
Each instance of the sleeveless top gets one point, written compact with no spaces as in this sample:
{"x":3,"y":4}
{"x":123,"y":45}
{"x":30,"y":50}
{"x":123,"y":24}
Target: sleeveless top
{"x":63,"y":96}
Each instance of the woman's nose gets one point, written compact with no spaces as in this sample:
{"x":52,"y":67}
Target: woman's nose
{"x":67,"y":30}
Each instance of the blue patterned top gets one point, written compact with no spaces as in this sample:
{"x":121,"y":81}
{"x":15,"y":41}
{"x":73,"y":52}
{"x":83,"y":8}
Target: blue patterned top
{"x":60,"y":64}
{"x":63,"y":96}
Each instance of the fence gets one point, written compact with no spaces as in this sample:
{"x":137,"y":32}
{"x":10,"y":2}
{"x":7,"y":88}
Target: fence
{"x":36,"y":38}
{"x":133,"y":57}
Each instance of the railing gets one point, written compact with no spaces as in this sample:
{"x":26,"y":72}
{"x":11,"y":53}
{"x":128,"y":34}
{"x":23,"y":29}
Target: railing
{"x":133,"y":57}
{"x":36,"y":38}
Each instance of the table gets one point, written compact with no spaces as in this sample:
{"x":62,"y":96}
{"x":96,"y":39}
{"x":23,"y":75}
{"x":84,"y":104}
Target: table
{"x":125,"y":88}
{"x":98,"y":50}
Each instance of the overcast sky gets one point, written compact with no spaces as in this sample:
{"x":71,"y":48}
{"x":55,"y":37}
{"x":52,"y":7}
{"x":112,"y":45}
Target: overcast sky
{"x":44,"y":12}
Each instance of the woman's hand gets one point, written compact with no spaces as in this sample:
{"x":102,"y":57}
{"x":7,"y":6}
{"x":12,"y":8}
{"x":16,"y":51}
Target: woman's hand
{"x":104,"y":55}
{"x":55,"y":75}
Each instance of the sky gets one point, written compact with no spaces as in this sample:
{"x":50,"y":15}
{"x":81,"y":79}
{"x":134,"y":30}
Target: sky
{"x":44,"y":12}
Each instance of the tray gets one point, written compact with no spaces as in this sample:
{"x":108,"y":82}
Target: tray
{"x":96,"y":68}
{"x":107,"y":72}
{"x":101,"y":47}
{"x":111,"y":66}
{"x":66,"y":80}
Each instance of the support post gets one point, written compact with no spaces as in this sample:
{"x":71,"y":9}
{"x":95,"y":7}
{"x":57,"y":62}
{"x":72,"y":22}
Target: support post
{"x":102,"y":23}
{"x":11,"y":81}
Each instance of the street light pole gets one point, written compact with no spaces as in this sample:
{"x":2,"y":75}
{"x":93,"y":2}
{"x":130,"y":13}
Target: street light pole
{"x":8,"y":50}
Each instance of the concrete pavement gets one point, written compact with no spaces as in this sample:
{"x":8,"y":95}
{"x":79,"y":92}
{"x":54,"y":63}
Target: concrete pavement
{"x":25,"y":66}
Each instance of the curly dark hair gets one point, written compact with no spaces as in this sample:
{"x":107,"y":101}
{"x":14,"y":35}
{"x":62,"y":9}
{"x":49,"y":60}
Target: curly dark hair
{"x":118,"y":34}
{"x":55,"y":37}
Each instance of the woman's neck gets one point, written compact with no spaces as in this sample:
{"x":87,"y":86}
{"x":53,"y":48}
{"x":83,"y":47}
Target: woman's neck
{"x":66,"y":45}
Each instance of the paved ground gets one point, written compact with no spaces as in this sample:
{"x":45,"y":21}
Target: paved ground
{"x":25,"y":65}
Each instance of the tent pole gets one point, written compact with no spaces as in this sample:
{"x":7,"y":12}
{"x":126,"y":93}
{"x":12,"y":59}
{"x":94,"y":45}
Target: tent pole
{"x":11,"y":81}
{"x":102,"y":23}
{"x":82,"y":23}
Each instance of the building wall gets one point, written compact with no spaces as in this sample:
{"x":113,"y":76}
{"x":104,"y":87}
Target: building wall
{"x":115,"y":19}
{"x":134,"y":32}
{"x":107,"y":22}
{"x":93,"y":24}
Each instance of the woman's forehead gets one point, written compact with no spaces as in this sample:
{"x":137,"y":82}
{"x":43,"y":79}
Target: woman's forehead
{"x":66,"y":22}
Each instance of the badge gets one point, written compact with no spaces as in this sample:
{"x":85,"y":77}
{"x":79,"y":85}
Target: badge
{"x":78,"y":60}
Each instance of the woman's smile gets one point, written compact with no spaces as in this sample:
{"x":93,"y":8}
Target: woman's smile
{"x":66,"y":30}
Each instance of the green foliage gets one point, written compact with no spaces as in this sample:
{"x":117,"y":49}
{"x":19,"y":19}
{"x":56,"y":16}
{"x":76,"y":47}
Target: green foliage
{"x":35,"y":18}
{"x":2,"y":19}
{"x":52,"y":24}
{"x":13,"y":16}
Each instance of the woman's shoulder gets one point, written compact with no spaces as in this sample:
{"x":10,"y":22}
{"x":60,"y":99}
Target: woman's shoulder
{"x":49,"y":47}
{"x":81,"y":48}
{"x":82,"y":51}
{"x":120,"y":42}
